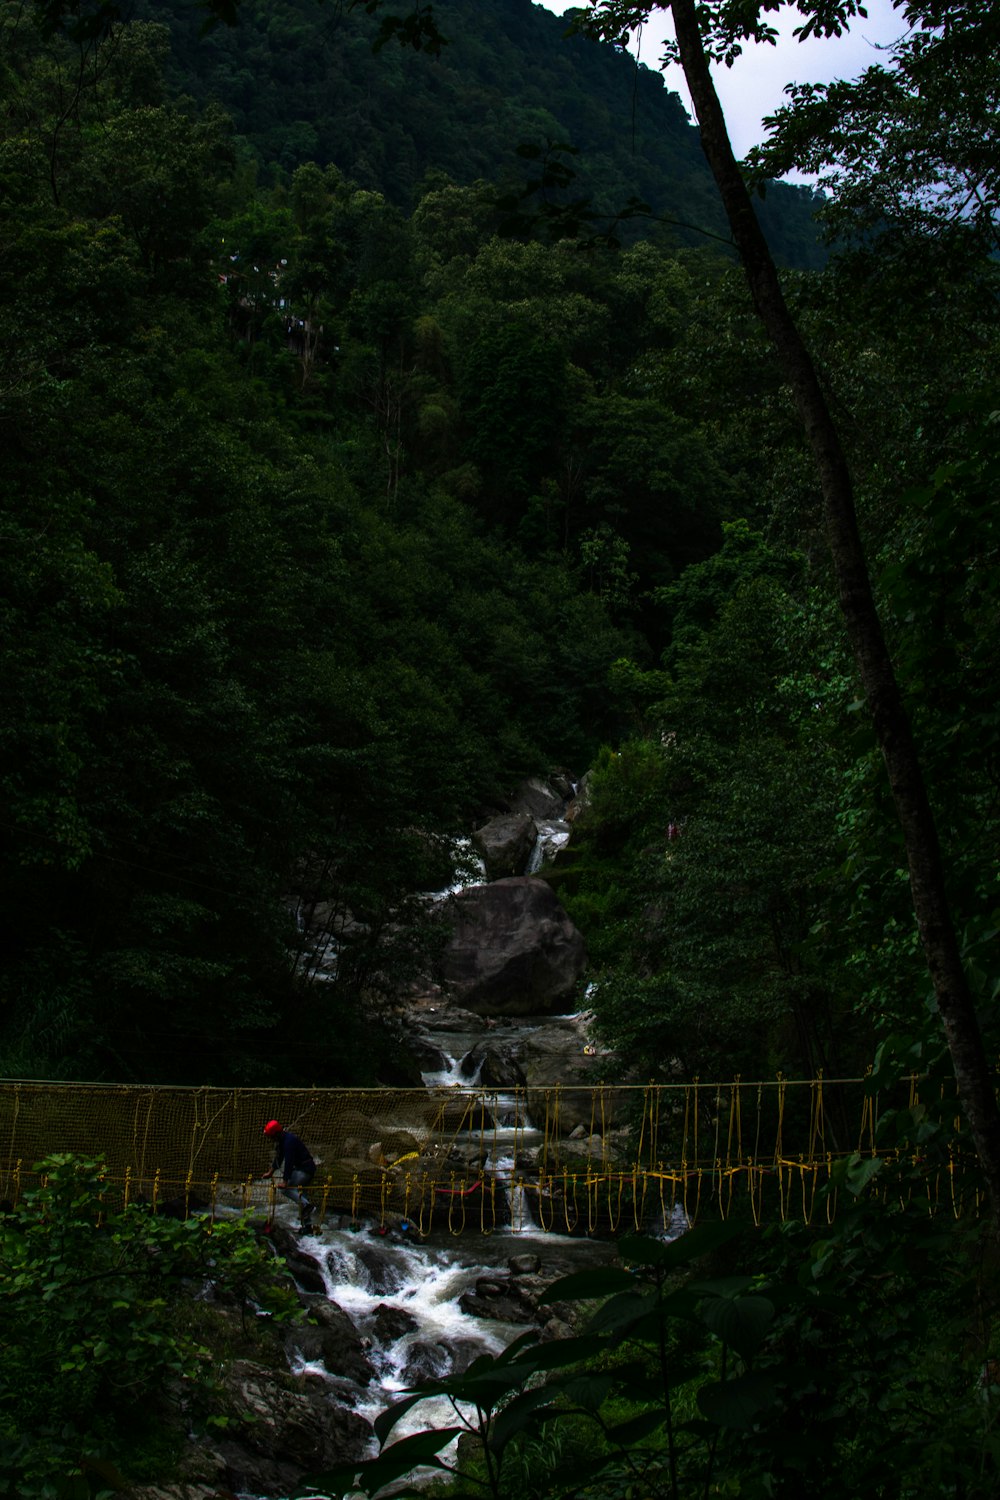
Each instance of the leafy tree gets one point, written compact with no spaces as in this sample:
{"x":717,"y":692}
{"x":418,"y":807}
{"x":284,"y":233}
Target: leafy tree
{"x":933,"y":108}
{"x":723,"y":26}
{"x":93,"y":1296}
{"x":706,"y":852}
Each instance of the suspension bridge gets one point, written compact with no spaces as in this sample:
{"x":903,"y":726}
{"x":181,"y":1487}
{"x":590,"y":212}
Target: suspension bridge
{"x":573,"y":1160}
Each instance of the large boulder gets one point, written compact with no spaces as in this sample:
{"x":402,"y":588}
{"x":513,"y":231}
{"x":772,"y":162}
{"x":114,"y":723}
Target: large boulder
{"x":513,"y":950}
{"x":282,"y":1429}
{"x":331,"y":1339}
{"x":505,"y":844}
{"x":563,"y":1071}
{"x":392,"y":1323}
{"x":278,"y":1428}
{"x":179,"y":1492}
{"x":500,"y":1298}
{"x":540,"y":798}
{"x":494,"y":1065}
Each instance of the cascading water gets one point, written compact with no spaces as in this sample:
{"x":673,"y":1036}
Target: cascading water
{"x":404,"y":1295}
{"x":512,"y":1132}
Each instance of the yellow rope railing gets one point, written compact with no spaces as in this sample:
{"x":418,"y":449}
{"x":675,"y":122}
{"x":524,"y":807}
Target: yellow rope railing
{"x":601,"y":1158}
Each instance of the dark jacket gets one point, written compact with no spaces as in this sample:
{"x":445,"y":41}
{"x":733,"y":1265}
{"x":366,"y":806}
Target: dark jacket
{"x":291,"y":1155}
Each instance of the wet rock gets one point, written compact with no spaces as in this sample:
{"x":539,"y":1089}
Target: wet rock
{"x":181,"y":1206}
{"x":458,"y":1112}
{"x":461,"y":1353}
{"x":426,"y":1055}
{"x":330,"y":1338}
{"x":553,"y":837}
{"x":556,"y":1328}
{"x":392,"y":1323}
{"x":560,"y":1056}
{"x":524,"y":1265}
{"x":304,"y":1268}
{"x":495,"y":1064}
{"x":356,"y":1185}
{"x":178,"y":1492}
{"x":506,"y":843}
{"x":561,"y":782}
{"x":284,"y":1431}
{"x":505,"y":1300}
{"x":513,"y":949}
{"x":395,"y":1146}
{"x":382,"y":1273}
{"x":580,"y":1150}
{"x":540,"y":798}
{"x":443,"y":1015}
{"x":426,"y":1361}
{"x":581,"y":798}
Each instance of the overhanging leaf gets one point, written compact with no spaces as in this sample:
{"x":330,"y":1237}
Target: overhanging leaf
{"x":517,"y":1416}
{"x":622,"y":1311}
{"x":637,"y":1428}
{"x":561,"y":1353}
{"x":669,"y":1254}
{"x":587,"y":1285}
{"x":741,"y":1321}
{"x":386,"y":1420}
{"x":735,"y":1403}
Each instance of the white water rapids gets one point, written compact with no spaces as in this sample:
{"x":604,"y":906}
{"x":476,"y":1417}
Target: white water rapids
{"x":383,"y":1280}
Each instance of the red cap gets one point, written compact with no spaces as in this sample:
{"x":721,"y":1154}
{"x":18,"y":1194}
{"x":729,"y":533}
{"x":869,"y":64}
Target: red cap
{"x":272,"y":1128}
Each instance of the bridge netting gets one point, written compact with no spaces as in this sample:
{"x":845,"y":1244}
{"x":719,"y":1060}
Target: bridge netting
{"x":595,"y":1159}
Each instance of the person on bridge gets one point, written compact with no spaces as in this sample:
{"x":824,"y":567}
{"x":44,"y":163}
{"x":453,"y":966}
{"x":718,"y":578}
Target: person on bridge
{"x":293,"y":1160}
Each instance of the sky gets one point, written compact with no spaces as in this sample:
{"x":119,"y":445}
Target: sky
{"x":753,"y":87}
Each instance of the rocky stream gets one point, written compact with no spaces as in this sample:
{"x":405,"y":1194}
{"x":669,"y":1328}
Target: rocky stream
{"x":388,"y":1307}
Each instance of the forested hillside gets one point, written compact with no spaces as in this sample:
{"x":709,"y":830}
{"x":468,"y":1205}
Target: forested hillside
{"x":335,"y":501}
{"x":325,"y":522}
{"x":299,"y":85}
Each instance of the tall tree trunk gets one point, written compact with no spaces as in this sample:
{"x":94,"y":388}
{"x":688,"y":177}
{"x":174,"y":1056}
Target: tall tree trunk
{"x":885,"y":701}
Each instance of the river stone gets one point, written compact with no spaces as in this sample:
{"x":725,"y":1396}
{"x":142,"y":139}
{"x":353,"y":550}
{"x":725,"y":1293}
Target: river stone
{"x":382,"y":1273}
{"x":392,"y":1323}
{"x":426,"y":1055}
{"x":538,"y":798}
{"x":496,"y":1065}
{"x":458,"y":1112}
{"x":330,"y":1338}
{"x":439,"y":1014}
{"x":513,"y":950}
{"x":304,"y":1269}
{"x":355,"y":1183}
{"x":178,"y":1492}
{"x":561,"y":1077}
{"x":583,"y":1149}
{"x":506,"y":843}
{"x":394,"y":1146}
{"x":284,"y":1431}
{"x":504,"y":1299}
{"x":426,"y":1361}
{"x":460,"y":1353}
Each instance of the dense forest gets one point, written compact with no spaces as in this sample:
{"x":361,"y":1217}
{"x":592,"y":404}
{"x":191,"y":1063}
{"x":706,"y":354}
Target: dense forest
{"x":327,"y":520}
{"x":503,"y":82}
{"x":359,"y":462}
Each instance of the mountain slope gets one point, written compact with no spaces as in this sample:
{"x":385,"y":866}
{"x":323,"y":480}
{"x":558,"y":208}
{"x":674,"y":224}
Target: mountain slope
{"x":302,"y":84}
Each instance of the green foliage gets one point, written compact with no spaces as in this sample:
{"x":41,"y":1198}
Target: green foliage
{"x":500,"y":103}
{"x":843,"y":1361}
{"x":259,"y":654}
{"x":930,"y":103}
{"x":707,"y":840}
{"x":93,"y":1296}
